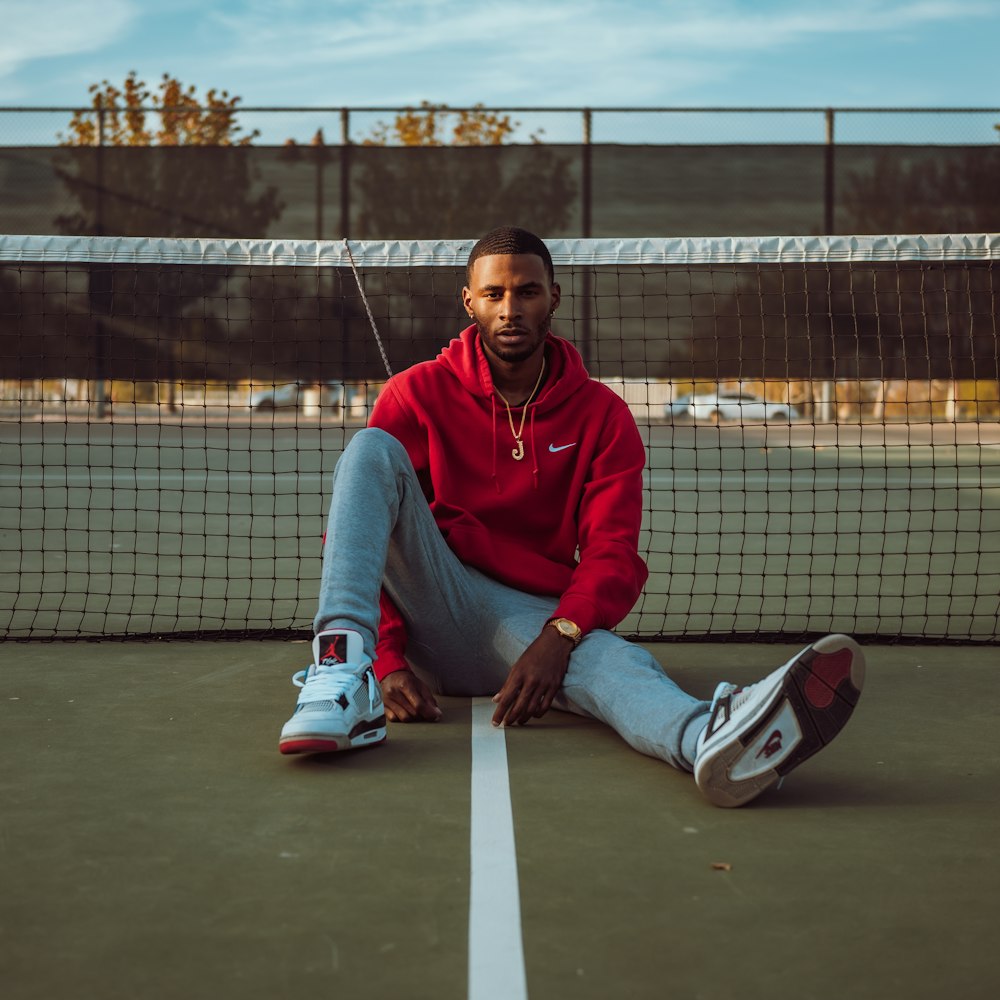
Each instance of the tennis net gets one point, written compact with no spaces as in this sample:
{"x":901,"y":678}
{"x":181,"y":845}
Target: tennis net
{"x":821,"y":415}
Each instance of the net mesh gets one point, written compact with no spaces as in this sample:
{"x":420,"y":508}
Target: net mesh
{"x":821,"y":416}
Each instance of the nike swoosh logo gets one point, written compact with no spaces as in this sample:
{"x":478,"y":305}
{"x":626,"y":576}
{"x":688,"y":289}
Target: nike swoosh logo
{"x":561,"y":447}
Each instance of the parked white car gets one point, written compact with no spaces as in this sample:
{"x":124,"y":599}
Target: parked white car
{"x":282,"y":394}
{"x":731,"y":405}
{"x":679,"y":407}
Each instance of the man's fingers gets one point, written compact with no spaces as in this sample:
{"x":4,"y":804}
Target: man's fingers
{"x":423,"y":702}
{"x":510,"y":700}
{"x":431,"y":711}
{"x":504,"y":698}
{"x":535,"y":706}
{"x":517,"y":707}
{"x":398,"y":711}
{"x":521,"y":710}
{"x":544,"y":704}
{"x":408,"y":699}
{"x":533,"y":680}
{"x":499,"y":713}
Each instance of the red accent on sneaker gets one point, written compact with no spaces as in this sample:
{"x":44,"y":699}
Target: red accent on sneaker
{"x":827,"y":670}
{"x":335,"y":650}
{"x":771,"y":747}
{"x":308,"y":746}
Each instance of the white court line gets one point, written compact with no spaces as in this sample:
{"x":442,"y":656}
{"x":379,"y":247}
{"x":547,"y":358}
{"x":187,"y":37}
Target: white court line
{"x":496,"y":954}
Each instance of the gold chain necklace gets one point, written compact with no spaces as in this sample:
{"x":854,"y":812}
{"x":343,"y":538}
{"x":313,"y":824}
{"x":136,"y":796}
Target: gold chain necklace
{"x":518,"y":452}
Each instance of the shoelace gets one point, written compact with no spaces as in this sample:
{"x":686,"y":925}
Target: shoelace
{"x":329,"y":682}
{"x":326,"y":681}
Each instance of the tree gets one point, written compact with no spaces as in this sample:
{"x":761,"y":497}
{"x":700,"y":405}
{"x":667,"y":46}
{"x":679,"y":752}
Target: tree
{"x":425,"y":127}
{"x":935,"y":190}
{"x":438,"y":172}
{"x":139,"y":163}
{"x":184,"y":119}
{"x":197,"y":181}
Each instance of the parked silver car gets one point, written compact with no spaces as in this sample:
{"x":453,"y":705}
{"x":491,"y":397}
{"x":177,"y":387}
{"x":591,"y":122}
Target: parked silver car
{"x":679,"y":407}
{"x":731,"y":405}
{"x":281,"y":394}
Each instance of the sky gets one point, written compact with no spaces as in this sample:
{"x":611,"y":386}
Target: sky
{"x":517,"y":53}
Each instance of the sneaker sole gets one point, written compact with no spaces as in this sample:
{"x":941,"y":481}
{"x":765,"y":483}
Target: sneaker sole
{"x":821,"y":689}
{"x":365,"y":734}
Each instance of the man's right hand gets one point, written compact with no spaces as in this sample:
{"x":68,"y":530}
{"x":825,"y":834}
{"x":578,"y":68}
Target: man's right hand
{"x":408,"y":699}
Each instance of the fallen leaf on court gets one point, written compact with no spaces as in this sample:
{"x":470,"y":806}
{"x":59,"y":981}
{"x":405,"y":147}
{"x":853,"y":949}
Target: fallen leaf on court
{"x":721,"y":866}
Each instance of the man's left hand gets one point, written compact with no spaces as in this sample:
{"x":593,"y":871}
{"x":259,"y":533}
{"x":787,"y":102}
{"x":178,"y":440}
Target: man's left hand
{"x":533,"y":680}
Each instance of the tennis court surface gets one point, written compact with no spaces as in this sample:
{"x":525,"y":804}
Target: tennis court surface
{"x":155,"y":843}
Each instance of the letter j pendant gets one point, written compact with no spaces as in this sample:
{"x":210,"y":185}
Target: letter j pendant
{"x":518,"y":452}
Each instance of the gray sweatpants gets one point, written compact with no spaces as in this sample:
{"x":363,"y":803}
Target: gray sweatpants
{"x":465,"y":630}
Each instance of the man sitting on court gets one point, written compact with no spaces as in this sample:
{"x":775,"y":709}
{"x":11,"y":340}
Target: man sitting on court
{"x":483,"y":540}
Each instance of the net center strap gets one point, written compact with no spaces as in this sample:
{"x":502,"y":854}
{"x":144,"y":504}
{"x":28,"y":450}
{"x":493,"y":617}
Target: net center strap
{"x":368,"y":310}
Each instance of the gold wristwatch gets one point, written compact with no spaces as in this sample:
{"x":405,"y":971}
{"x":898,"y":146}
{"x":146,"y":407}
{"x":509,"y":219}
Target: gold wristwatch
{"x":567,"y":629}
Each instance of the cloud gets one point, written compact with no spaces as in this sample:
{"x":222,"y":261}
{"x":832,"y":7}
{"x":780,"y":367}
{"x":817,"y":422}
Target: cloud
{"x":520,"y":52}
{"x":35,"y":30}
{"x":391,"y":51}
{"x":732,"y":26}
{"x":571,"y":51}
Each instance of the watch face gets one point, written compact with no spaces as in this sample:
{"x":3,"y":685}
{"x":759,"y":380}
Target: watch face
{"x":567,"y":628}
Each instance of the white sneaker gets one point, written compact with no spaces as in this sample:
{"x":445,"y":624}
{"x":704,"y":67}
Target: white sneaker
{"x":757,"y":734}
{"x":340,"y":706}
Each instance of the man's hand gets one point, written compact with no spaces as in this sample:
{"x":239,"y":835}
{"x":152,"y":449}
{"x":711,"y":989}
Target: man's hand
{"x":408,"y":699}
{"x":533,"y":680}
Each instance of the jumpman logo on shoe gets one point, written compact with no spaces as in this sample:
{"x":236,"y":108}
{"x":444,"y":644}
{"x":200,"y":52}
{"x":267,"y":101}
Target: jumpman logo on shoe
{"x":772,"y":746}
{"x":334,"y":652}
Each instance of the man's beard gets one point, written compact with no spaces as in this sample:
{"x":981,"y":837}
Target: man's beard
{"x":512,"y":355}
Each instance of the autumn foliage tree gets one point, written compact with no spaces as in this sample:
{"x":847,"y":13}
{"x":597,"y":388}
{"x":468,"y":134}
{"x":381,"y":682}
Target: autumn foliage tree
{"x":185,"y":119}
{"x":160,"y":163}
{"x":429,"y":125}
{"x":196,"y":182}
{"x":436,"y":171}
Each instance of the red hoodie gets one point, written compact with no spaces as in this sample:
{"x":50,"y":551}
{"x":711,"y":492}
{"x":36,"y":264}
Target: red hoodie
{"x":563,"y":521}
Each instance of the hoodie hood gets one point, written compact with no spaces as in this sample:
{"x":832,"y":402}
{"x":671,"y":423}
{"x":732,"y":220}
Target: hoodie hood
{"x":465,"y":357}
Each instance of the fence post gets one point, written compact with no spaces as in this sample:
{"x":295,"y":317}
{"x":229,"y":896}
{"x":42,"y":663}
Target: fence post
{"x":320,"y":147}
{"x":99,"y":169}
{"x":586,"y":225}
{"x":828,"y":176}
{"x":345,"y":173}
{"x":827,"y":406}
{"x":97,"y":271}
{"x":345,"y":232}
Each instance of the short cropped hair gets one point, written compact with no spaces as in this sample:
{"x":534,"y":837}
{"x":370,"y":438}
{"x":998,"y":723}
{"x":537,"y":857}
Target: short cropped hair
{"x":509,"y":240}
